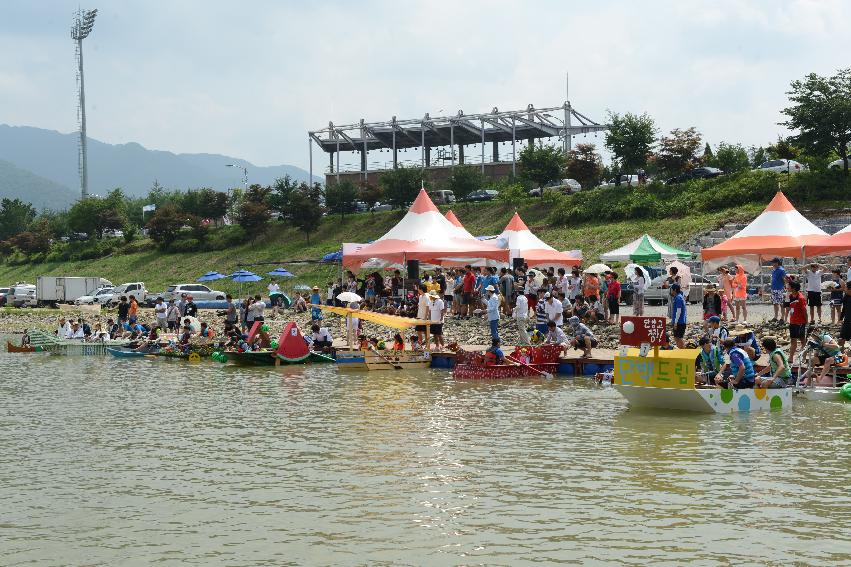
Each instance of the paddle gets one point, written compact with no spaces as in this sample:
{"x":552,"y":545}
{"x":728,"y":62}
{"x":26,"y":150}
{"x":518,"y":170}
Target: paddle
{"x":546,"y":375}
{"x":385,"y":359}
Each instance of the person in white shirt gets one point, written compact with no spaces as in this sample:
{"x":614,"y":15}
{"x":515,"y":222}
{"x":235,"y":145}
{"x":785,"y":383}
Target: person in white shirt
{"x":423,"y":312}
{"x":161,"y":311}
{"x":554,"y":309}
{"x":274,"y":296}
{"x":556,"y":336}
{"x":521,"y":316}
{"x":493,"y":311}
{"x":574,"y":285}
{"x":437,"y":311}
{"x":320,"y":337}
{"x":639,"y":287}
{"x":813,"y":277}
{"x":848,"y":272}
{"x":77,"y":332}
{"x":531,"y":284}
{"x":258,"y":308}
{"x":63,"y":330}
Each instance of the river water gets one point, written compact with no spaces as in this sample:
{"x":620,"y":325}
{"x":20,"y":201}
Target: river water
{"x":135,"y":462}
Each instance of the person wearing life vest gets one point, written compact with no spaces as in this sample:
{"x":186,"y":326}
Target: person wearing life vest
{"x":710,"y":360}
{"x":494,"y":354}
{"x":827,"y":353}
{"x":778,"y":364}
{"x":741,"y":368}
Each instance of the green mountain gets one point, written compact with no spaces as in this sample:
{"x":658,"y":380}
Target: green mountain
{"x":17,"y":183}
{"x":132,"y":167}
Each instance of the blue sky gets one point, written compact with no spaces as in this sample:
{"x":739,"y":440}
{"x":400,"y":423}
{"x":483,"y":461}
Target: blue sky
{"x":250,"y":78}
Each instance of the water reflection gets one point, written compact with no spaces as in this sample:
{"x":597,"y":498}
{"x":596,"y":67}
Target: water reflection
{"x":108,"y":462}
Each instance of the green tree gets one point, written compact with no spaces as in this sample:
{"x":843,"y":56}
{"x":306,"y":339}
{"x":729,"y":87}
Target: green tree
{"x":541,"y":164}
{"x":370,"y":193}
{"x":15,"y":217}
{"x":631,"y":139}
{"x":465,"y":179}
{"x":307,"y":209}
{"x":821,"y":113}
{"x":166,"y":223}
{"x":730,"y":158}
{"x":512,"y":194}
{"x":707,"y":153}
{"x":212,"y":204}
{"x":279,"y":197}
{"x":783,"y":148}
{"x":94,"y":215}
{"x":584,"y":164}
{"x":253,"y":217}
{"x":678,"y":151}
{"x":401,"y":185}
{"x":757,"y":156}
{"x":340,"y":197}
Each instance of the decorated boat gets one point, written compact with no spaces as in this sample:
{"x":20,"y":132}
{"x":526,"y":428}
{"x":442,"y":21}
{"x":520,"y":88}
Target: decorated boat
{"x":71,"y":347}
{"x":10,"y":347}
{"x":665,"y":379}
{"x":524,"y":362}
{"x":363,"y":357}
{"x":290,"y":348}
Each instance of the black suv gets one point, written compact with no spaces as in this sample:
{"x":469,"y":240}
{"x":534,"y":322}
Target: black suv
{"x":696,"y":173}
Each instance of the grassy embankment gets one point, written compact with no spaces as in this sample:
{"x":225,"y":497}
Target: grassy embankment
{"x":144,"y":262}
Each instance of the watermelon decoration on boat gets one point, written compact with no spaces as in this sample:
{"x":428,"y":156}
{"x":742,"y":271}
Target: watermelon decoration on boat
{"x":291,"y":345}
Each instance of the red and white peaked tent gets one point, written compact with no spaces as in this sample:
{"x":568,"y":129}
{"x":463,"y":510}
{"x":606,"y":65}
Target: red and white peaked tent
{"x":426,"y":235}
{"x":839,"y":243}
{"x":521,"y":243}
{"x":780,"y":230}
{"x":450,"y":216}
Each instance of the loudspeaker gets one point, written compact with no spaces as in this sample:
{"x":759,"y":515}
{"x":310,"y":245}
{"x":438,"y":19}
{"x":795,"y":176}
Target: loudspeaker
{"x":414,"y":269}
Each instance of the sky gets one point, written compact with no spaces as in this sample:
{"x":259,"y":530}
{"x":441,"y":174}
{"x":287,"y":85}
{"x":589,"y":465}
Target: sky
{"x":249,"y":79}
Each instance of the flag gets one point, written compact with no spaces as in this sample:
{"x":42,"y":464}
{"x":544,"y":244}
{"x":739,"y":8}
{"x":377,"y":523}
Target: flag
{"x":149,"y":208}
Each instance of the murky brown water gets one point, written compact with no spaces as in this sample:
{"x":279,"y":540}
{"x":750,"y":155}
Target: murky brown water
{"x":134,"y":462}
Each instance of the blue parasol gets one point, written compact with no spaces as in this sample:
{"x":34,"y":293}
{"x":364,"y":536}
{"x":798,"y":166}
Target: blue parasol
{"x":244,"y":276}
{"x":211,"y":276}
{"x":281,"y":273}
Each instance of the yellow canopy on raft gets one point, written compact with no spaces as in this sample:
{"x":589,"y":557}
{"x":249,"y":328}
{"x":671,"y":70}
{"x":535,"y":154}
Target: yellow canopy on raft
{"x":393,"y":321}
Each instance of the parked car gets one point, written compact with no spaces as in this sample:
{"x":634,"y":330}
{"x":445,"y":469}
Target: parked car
{"x":4,"y":292}
{"x":626,"y":180}
{"x":696,"y":173}
{"x":782,"y":166}
{"x":382,"y":207}
{"x":136,"y":289}
{"x":361,"y":207}
{"x":566,"y":186}
{"x":838,"y":164}
{"x":482,"y":195}
{"x":99,"y":297}
{"x":197,"y":291}
{"x":656,"y":294}
{"x":442,"y":197}
{"x":22,"y":295}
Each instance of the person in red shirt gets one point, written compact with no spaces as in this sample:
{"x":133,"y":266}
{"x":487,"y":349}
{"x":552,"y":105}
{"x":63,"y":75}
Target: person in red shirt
{"x":468,"y":285}
{"x":613,"y":297}
{"x":797,"y":318}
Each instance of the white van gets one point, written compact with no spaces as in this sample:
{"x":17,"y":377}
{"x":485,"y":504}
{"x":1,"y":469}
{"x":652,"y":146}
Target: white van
{"x":22,"y":295}
{"x":442,"y":197}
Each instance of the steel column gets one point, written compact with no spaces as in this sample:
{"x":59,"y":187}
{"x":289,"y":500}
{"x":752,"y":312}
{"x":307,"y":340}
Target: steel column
{"x":310,"y":152}
{"x":513,"y":147}
{"x":483,"y":147}
{"x":452,"y":141}
{"x":338,"y":159}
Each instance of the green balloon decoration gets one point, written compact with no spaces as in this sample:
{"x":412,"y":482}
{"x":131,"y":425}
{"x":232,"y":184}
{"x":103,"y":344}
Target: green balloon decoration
{"x":265,"y":328}
{"x":846,"y":390}
{"x":223,"y":358}
{"x":274,"y":345}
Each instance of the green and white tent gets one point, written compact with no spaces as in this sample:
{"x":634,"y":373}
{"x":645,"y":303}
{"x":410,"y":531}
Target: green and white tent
{"x":645,"y":250}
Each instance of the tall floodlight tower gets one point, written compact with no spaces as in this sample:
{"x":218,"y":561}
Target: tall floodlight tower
{"x":81,"y":27}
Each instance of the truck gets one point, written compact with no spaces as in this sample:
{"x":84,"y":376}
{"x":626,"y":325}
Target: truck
{"x":52,"y":290}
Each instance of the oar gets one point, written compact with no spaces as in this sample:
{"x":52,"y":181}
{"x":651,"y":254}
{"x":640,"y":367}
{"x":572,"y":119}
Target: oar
{"x":385,"y":359}
{"x":546,"y":375}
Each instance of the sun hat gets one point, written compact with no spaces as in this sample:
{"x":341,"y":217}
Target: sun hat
{"x":316,"y":288}
{"x":490,"y":288}
{"x":714,"y":319}
{"x":573,"y":321}
{"x":740,"y":329}
{"x":546,"y":295}
{"x":433,"y":294}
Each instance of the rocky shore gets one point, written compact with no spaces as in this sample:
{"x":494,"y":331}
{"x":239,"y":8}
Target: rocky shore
{"x":472,"y":331}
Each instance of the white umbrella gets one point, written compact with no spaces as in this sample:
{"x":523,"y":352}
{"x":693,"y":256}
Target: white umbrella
{"x":597,"y":269}
{"x":349,"y":296}
{"x":630,"y":273}
{"x":684,"y":272}
{"x":194,"y":323}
